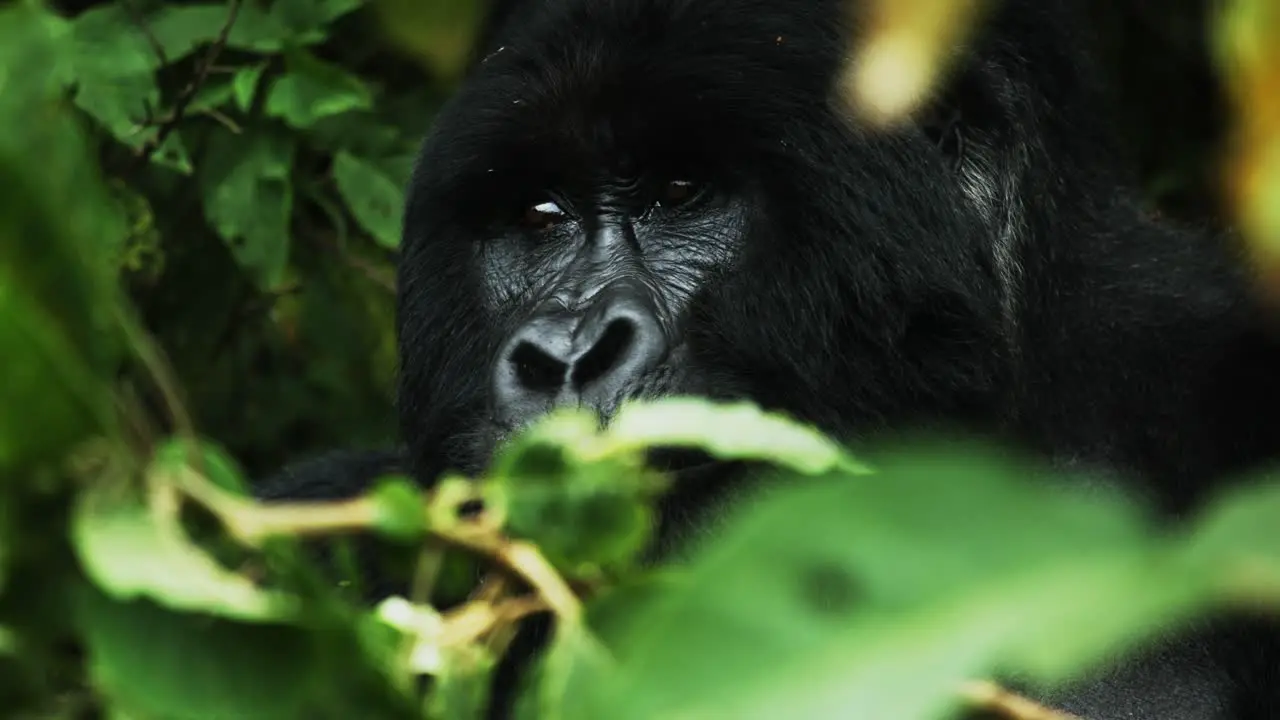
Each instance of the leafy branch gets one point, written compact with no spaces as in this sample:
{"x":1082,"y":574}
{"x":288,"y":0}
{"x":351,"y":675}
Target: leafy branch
{"x":174,"y":117}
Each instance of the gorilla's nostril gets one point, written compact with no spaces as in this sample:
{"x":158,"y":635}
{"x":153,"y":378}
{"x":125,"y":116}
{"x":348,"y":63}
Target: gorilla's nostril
{"x":604,"y":355}
{"x":536,"y":370}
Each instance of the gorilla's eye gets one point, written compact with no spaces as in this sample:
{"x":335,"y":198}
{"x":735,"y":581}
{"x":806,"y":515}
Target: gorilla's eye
{"x":675,"y":193}
{"x":543,"y":215}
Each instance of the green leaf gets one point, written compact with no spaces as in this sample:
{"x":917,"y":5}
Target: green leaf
{"x":735,"y":431}
{"x":7,"y":526}
{"x":461,"y":673}
{"x":366,"y":134}
{"x":59,"y":234}
{"x":158,"y":663}
{"x":115,"y":70}
{"x":461,"y":691}
{"x":401,"y":513}
{"x":34,"y":53}
{"x":211,"y":96}
{"x":248,"y":198}
{"x":312,"y":89}
{"x":114,"y":65}
{"x":180,"y":29}
{"x":573,"y":673}
{"x":205,"y":457}
{"x":245,"y":85}
{"x":440,"y":33}
{"x":423,"y":626}
{"x":585,"y":514}
{"x":375,"y":199}
{"x":583,"y":496}
{"x":586,"y":520}
{"x":1236,"y":544}
{"x":129,"y":553}
{"x":307,"y":18}
{"x":52,"y":397}
{"x":878,"y":595}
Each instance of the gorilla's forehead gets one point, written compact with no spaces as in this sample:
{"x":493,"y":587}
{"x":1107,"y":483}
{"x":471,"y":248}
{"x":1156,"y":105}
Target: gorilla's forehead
{"x":587,"y":82}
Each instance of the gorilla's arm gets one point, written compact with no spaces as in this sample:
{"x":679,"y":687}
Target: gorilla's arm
{"x":335,"y":475}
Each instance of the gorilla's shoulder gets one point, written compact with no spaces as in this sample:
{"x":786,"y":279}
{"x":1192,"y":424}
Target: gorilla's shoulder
{"x":331,"y":475}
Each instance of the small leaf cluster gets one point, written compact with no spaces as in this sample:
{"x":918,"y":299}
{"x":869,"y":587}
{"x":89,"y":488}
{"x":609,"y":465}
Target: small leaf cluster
{"x":258,"y":151}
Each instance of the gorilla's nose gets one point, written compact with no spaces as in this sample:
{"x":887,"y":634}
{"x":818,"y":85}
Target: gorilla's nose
{"x":593,"y":357}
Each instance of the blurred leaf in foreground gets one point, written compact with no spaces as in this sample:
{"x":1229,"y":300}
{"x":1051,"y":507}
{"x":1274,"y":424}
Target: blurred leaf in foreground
{"x":59,"y":231}
{"x":585,"y":514}
{"x":129,"y":552}
{"x":900,"y":52}
{"x":440,"y":33}
{"x":1248,"y":55}
{"x":159,"y":663}
{"x":1236,"y":540}
{"x":878,"y":595}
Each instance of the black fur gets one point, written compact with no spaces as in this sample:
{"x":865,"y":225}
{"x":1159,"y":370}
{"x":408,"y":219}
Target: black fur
{"x":988,"y":266}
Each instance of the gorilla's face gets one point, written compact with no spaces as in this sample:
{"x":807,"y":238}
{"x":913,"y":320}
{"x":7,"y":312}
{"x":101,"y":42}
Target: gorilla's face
{"x":598,"y":282}
{"x":638,"y":202}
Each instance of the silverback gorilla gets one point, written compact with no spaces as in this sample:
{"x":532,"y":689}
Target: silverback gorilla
{"x":635,"y":198}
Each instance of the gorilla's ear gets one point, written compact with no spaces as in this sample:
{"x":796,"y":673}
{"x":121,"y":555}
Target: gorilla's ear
{"x":940,"y":122}
{"x":965,"y":110}
{"x":969,"y":123}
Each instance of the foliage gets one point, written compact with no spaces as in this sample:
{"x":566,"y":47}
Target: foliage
{"x":885,"y":588}
{"x":1246,"y":50}
{"x":258,"y":152}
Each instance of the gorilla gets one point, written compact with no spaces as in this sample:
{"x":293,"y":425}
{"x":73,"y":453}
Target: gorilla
{"x":639,"y":198}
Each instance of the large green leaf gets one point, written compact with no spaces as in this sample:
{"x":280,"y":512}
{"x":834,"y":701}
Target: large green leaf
{"x":59,"y":235}
{"x":584,"y":512}
{"x":180,"y":29}
{"x":583,"y":517}
{"x":730,"y":431}
{"x":1237,"y":541}
{"x":114,"y":75}
{"x":874,"y":596}
{"x":130,"y":553}
{"x":312,"y":89}
{"x":159,"y":663}
{"x":375,"y":199}
{"x":248,"y":197}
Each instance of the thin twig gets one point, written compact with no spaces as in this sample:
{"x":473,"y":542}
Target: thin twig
{"x":375,"y":274}
{"x":251,"y":522}
{"x":488,"y":612}
{"x":143,"y":27}
{"x":222,"y":119}
{"x":188,"y":93}
{"x":152,"y":359}
{"x":477,"y":619}
{"x":378,"y":275}
{"x":988,"y":696}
